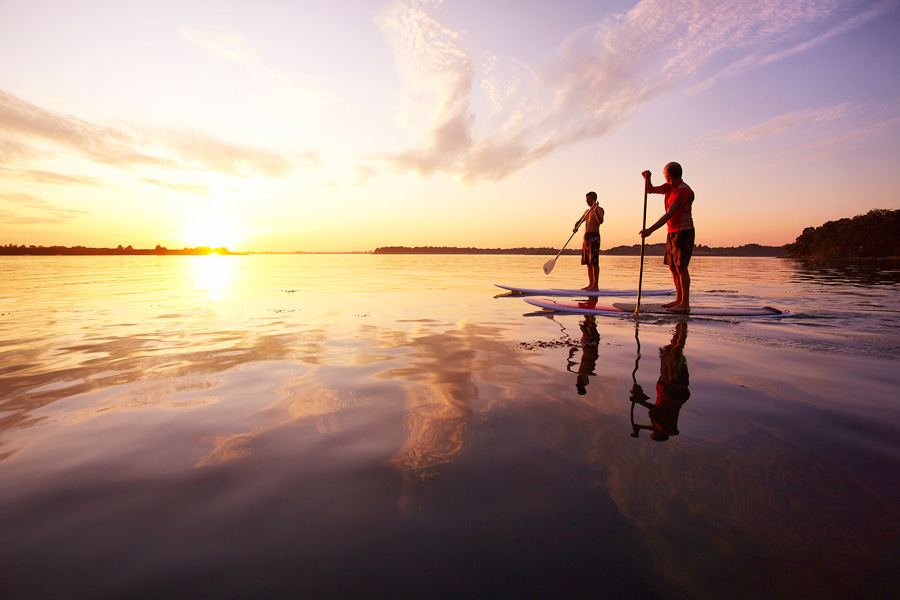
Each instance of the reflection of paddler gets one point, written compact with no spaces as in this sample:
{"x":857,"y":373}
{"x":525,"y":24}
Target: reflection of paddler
{"x":671,"y":389}
{"x":590,"y":341}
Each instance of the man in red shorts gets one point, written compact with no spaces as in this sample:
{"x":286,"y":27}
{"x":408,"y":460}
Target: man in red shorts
{"x":679,"y":198}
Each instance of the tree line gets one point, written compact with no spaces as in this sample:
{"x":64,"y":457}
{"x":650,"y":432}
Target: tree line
{"x":875,"y":234}
{"x":634,"y":250}
{"x":23,"y":250}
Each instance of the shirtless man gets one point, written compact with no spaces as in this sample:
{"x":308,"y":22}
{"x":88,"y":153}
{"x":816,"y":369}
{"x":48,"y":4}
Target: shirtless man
{"x":590,"y":248}
{"x":679,"y":198}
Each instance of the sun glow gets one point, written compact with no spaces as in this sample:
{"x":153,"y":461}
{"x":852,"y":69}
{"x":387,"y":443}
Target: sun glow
{"x":213,"y":230}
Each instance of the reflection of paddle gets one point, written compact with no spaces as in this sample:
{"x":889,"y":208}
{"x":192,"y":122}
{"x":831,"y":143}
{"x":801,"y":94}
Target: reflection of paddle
{"x":637,"y":392}
{"x":548,"y":266}
{"x":637,"y":307}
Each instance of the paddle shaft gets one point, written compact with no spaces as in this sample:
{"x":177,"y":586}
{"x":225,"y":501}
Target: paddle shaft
{"x":564,"y":246}
{"x":637,"y":308}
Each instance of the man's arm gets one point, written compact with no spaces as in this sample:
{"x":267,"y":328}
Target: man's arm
{"x":585,"y":216}
{"x":580,"y":221}
{"x":662,"y":221}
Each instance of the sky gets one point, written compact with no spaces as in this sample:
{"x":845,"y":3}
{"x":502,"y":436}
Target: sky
{"x":350,"y":125}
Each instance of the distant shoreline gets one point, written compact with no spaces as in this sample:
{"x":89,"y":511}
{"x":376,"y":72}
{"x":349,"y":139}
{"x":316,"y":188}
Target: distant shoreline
{"x":755,"y":250}
{"x":752,"y":250}
{"x":13,"y":250}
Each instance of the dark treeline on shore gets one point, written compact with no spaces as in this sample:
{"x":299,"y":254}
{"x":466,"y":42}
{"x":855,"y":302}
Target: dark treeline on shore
{"x":634,"y":250}
{"x":455,"y":250}
{"x":14,"y":250}
{"x":875,"y":234}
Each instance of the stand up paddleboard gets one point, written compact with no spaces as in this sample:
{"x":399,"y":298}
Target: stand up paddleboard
{"x":627,"y":308}
{"x":563,"y":292}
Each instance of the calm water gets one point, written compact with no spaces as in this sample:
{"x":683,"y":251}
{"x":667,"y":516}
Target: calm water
{"x":363,"y":426}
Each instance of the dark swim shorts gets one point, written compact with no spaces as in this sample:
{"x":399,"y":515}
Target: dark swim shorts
{"x":590,"y":248}
{"x":679,"y":248}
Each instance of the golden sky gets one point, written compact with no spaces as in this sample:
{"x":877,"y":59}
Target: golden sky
{"x":348,"y":125}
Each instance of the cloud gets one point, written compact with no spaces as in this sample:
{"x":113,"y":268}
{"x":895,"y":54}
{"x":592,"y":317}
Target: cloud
{"x":14,"y":152}
{"x":784,"y":123}
{"x":26,"y":209}
{"x":127,"y":148}
{"x":591,"y":85}
{"x":181,"y":188}
{"x":105,"y":145}
{"x":49,"y":177}
{"x":835,"y":145}
{"x":436,"y":76}
{"x":756,"y":60}
{"x":222,"y":43}
{"x":855,"y":121}
{"x":197,"y":151}
{"x":231,"y":46}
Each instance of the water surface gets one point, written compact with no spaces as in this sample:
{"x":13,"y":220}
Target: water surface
{"x":360,"y":425}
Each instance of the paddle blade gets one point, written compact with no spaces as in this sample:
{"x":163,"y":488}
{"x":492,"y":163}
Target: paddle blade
{"x":548,"y":266}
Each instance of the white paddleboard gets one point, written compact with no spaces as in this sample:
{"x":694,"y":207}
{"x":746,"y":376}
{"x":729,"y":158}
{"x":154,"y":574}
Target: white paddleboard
{"x":564,"y":292}
{"x":627,"y":308}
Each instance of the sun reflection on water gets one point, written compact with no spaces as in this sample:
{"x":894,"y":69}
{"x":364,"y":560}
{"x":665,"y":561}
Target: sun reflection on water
{"x":214,"y":274}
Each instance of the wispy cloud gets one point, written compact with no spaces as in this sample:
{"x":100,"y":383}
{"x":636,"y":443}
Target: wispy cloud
{"x":834,"y":145}
{"x":851,"y":121}
{"x":127,"y":149}
{"x":197,"y":151}
{"x":229,"y":45}
{"x":436,"y":75}
{"x":181,"y":188}
{"x":14,"y":152}
{"x":784,"y":123}
{"x":106,"y":145}
{"x":593,"y":84}
{"x":26,"y":209}
{"x":757,"y":59}
{"x":49,"y":177}
{"x":222,"y":43}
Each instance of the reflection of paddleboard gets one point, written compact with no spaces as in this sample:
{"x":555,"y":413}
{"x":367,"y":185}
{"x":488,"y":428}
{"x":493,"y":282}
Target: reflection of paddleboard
{"x":558,"y":292}
{"x":627,"y":308}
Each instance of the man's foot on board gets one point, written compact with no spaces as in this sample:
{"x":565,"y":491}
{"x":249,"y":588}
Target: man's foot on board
{"x":671,"y":304}
{"x":679,"y":309}
{"x":590,"y":289}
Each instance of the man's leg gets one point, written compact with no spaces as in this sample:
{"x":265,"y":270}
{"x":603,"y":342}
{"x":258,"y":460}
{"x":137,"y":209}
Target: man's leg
{"x":593,"y":272}
{"x":683,"y":290}
{"x":685,"y":278}
{"x":677,"y":281}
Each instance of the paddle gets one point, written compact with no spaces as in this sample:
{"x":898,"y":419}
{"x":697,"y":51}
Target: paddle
{"x":637,"y":307}
{"x":637,"y":392}
{"x":548,"y":266}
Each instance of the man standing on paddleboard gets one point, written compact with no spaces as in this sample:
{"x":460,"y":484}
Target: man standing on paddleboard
{"x":590,"y":248}
{"x":679,"y":198}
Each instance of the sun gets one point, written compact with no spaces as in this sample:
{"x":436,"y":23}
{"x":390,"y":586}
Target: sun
{"x":213,"y":230}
